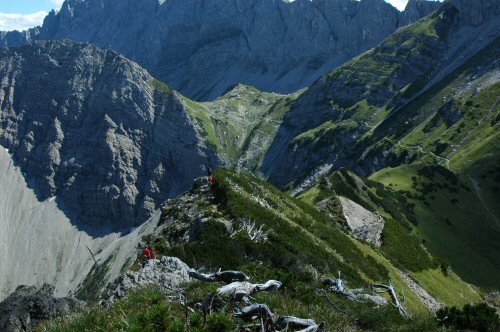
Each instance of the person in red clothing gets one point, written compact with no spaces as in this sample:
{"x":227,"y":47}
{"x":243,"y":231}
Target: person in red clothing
{"x":147,"y":255}
{"x":147,"y":252}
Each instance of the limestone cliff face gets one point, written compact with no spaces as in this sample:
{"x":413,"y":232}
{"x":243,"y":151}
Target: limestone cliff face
{"x":97,"y":131}
{"x":201,"y":48}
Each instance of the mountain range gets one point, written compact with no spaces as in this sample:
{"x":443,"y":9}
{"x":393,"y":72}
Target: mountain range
{"x":385,"y":131}
{"x":202,"y":48}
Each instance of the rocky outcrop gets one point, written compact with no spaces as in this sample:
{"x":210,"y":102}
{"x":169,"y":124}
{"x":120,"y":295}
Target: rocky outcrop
{"x":96,"y":131}
{"x":28,"y":306}
{"x":363,"y":224}
{"x":202,"y":48}
{"x":168,"y":273}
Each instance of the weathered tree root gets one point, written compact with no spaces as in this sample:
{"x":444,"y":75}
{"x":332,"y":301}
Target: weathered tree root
{"x":291,"y":323}
{"x":359,"y":295}
{"x":254,"y":311}
{"x":395,"y":302}
{"x":221,"y":276}
{"x":241,"y":291}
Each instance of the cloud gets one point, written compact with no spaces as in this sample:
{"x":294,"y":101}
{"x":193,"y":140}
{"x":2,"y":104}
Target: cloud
{"x":57,"y":3}
{"x":21,"y":22}
{"x":399,"y":4}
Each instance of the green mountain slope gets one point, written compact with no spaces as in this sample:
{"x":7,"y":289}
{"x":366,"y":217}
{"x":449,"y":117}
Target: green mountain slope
{"x":403,"y":232}
{"x":451,"y":219}
{"x":426,"y":97}
{"x":206,"y":227}
{"x":242,"y":123}
{"x":358,"y":115}
{"x":429,"y":204}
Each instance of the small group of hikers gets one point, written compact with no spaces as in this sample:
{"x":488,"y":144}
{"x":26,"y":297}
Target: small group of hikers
{"x":148,"y":255}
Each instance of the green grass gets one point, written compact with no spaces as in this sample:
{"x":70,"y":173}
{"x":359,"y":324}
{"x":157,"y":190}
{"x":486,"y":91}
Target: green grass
{"x":160,"y":86}
{"x":451,"y":220}
{"x":143,"y":310}
{"x":448,"y":289}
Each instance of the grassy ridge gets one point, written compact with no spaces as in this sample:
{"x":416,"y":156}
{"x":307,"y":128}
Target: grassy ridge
{"x":304,"y":246}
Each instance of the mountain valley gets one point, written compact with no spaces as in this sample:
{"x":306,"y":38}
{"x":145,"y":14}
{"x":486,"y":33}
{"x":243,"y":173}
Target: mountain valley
{"x":367,"y":156}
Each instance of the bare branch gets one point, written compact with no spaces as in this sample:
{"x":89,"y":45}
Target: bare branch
{"x":222,"y":276}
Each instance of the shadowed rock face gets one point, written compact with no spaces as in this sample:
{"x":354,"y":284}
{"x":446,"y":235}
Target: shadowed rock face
{"x":201,"y":48}
{"x":97,"y":131}
{"x":28,"y":306}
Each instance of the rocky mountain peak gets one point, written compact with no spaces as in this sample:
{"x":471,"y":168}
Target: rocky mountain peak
{"x":203,"y":47}
{"x":106,"y":138}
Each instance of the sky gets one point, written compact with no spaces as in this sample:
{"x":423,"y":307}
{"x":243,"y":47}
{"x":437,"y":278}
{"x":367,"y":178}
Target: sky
{"x":25,"y":14}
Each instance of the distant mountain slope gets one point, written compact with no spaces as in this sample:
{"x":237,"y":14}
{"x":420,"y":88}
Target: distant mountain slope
{"x":242,"y":123}
{"x":201,"y":48}
{"x":39,"y":243}
{"x":97,"y":131}
{"x":357,"y":115}
{"x":427,"y":203}
{"x":427,"y":97}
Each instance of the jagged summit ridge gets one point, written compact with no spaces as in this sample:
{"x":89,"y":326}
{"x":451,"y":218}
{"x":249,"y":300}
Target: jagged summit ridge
{"x":203,"y":47}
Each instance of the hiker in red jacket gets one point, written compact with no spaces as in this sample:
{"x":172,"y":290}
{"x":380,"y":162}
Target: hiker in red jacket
{"x":147,"y":252}
{"x":147,"y":255}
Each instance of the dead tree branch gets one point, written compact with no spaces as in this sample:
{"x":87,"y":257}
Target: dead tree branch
{"x":395,"y":302}
{"x":359,"y":295}
{"x":291,"y":323}
{"x":241,"y":291}
{"x":221,"y":276}
{"x":254,"y":311}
